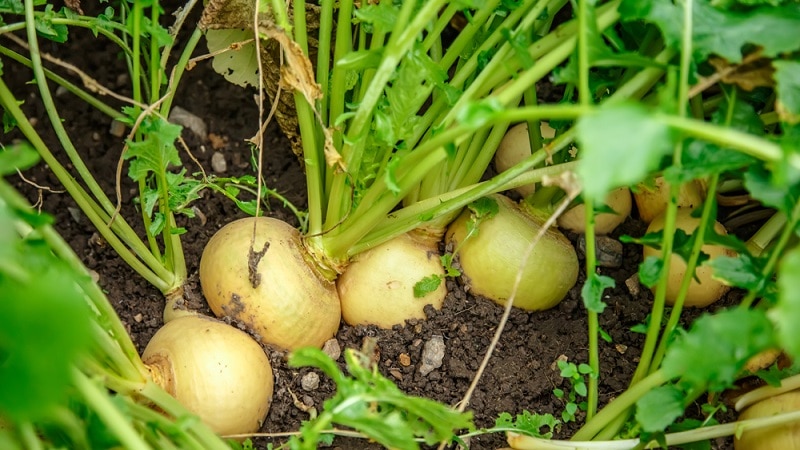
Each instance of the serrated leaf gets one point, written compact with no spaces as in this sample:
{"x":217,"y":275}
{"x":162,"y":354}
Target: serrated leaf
{"x":529,"y":423}
{"x":156,"y":152}
{"x":765,"y":186}
{"x":606,"y":140}
{"x":592,"y":292}
{"x":786,"y":313}
{"x":427,"y":285}
{"x":659,"y":408}
{"x":713,"y":352}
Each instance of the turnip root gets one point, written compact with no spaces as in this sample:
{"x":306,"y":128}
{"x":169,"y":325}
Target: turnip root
{"x":652,"y":200}
{"x":378,"y":285}
{"x":708,"y":289}
{"x":272,"y":287}
{"x":783,"y":437}
{"x":515,"y":147}
{"x":619,"y":200}
{"x":491,"y":258}
{"x":215,"y":370}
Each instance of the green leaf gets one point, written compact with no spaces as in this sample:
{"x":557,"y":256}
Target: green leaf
{"x":529,"y":423}
{"x":156,"y":152}
{"x":427,"y":285}
{"x":650,"y":271}
{"x":659,"y":408}
{"x":17,"y":156}
{"x":720,"y":32}
{"x":476,"y":114}
{"x":787,"y":79}
{"x":44,"y":325}
{"x":47,"y":29}
{"x":742,"y":271}
{"x":592,"y":292}
{"x":765,"y":186}
{"x":314,"y":357}
{"x":713,"y":352}
{"x":606,"y":140}
{"x":786,"y":313}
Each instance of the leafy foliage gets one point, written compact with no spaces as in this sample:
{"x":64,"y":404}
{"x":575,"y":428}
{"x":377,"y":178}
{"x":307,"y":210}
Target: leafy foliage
{"x":372,"y":404}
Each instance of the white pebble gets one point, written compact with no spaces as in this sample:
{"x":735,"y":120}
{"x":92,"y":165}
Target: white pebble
{"x":310,"y":381}
{"x":183,"y":117}
{"x":218,"y":162}
{"x":432,"y":355}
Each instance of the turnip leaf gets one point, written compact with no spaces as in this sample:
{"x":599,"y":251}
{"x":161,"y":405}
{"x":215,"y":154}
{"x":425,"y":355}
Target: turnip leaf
{"x":742,"y":271}
{"x":786,"y":313}
{"x":787,"y":78}
{"x":714,"y":351}
{"x":719,"y":31}
{"x":659,"y":408}
{"x":624,"y":136}
{"x":593,"y":289}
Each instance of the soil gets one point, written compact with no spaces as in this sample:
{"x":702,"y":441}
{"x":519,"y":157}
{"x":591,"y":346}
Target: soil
{"x":521,"y":374}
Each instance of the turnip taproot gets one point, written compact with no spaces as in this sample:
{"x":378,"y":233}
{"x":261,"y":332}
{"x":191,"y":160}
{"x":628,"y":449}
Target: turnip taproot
{"x":783,"y":437}
{"x":651,"y":200}
{"x":215,"y":370}
{"x":708,"y":289}
{"x":574,"y":219}
{"x":258,"y":272}
{"x":378,"y":285}
{"x":515,"y":147}
{"x":491,"y":258}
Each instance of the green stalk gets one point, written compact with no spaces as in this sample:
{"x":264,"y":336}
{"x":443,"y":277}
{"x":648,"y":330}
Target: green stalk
{"x":29,"y":436}
{"x":178,"y":71}
{"x":105,"y":311}
{"x":74,"y":89}
{"x":585,"y":98}
{"x":619,"y":406}
{"x":58,"y":126}
{"x":148,"y":267}
{"x":324,"y":55}
{"x":746,"y":143}
{"x":136,"y":73}
{"x":155,"y":65}
{"x":108,"y":413}
{"x":399,"y":44}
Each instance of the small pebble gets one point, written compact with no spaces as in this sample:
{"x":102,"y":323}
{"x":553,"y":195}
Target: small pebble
{"x":185,"y":118}
{"x":310,"y":381}
{"x":608,"y":250}
{"x":218,"y":163}
{"x":397,"y":374}
{"x":116,"y":128}
{"x":404,"y":359}
{"x":61,"y":91}
{"x":432,"y":355}
{"x":632,"y":283}
{"x":332,"y":349}
{"x":138,"y":318}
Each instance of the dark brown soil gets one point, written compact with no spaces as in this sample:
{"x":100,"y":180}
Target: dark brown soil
{"x":521,"y":374}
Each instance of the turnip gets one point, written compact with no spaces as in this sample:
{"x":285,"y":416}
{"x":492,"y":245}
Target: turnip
{"x":651,"y":200}
{"x":388,"y":273}
{"x":258,"y":272}
{"x":215,"y":370}
{"x":705,"y":289}
{"x":516,"y":146}
{"x":783,"y":437}
{"x":491,"y":258}
{"x":618,"y":200}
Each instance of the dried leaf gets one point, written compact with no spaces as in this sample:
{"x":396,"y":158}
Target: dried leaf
{"x":752,"y":73}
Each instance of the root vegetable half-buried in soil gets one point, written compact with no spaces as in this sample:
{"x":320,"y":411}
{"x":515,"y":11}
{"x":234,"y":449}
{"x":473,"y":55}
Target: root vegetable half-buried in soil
{"x":704,"y":288}
{"x":491,"y":254}
{"x":215,"y":370}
